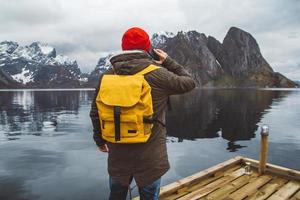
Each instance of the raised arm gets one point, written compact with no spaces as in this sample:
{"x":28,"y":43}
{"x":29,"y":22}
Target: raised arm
{"x":172,"y":76}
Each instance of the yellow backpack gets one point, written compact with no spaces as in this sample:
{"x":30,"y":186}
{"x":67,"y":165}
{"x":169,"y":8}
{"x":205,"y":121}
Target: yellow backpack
{"x":125,"y":107}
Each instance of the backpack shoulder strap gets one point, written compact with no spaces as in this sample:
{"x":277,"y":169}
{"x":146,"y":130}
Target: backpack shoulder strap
{"x":148,"y":69}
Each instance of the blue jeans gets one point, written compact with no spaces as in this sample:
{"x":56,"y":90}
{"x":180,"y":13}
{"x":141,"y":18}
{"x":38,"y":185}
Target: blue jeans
{"x":119,"y":192}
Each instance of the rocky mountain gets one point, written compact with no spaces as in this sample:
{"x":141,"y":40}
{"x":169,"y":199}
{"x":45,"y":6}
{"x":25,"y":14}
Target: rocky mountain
{"x":237,"y":62}
{"x":190,"y":49}
{"x":102,"y":66}
{"x":38,"y":65}
{"x":6,"y":81}
{"x":243,"y":63}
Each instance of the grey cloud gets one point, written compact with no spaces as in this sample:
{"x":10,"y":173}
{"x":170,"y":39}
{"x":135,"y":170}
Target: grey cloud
{"x":215,"y":17}
{"x":276,"y":15}
{"x":65,"y":47}
{"x":291,"y":69}
{"x":29,"y":12}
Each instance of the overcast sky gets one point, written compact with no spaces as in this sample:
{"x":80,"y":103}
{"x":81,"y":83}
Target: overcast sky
{"x":88,"y":29}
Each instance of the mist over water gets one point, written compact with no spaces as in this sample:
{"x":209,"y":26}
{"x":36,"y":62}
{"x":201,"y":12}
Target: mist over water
{"x":47,"y":150}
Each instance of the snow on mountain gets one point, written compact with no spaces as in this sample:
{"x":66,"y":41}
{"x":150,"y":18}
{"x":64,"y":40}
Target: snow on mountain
{"x":102,"y":66}
{"x":37,"y":51}
{"x":83,"y":79}
{"x":22,"y":52}
{"x":45,"y":49}
{"x":160,"y":38}
{"x":104,"y":63}
{"x":65,"y":60}
{"x":24,"y":77}
{"x":37,"y":64}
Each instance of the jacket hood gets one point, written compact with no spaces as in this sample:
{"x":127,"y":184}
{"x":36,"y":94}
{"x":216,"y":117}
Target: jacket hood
{"x":130,"y":62}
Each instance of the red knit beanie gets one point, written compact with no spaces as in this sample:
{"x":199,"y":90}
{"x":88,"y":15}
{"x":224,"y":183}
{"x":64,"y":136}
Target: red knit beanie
{"x":136,"y":38}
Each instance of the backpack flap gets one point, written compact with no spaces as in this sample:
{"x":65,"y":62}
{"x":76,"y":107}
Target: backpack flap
{"x":120,"y":90}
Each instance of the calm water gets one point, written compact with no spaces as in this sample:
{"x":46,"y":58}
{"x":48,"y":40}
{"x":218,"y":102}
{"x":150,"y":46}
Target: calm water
{"x":47,"y":151}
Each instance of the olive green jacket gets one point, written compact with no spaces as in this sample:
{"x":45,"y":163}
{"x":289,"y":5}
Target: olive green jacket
{"x":145,"y":162}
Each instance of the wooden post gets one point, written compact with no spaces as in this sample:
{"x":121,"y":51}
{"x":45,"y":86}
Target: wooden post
{"x":263,"y":149}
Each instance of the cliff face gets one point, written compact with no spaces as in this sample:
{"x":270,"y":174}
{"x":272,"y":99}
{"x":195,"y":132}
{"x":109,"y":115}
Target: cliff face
{"x":239,"y":54}
{"x":241,"y":59}
{"x":190,"y":49}
{"x":237,"y":62}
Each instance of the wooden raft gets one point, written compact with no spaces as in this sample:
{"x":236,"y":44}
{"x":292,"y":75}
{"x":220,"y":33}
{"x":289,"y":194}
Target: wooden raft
{"x":229,"y":181}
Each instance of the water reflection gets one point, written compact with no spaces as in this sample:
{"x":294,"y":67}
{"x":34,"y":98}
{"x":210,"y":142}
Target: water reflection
{"x":230,"y":114}
{"x":52,"y":155}
{"x":38,"y":112}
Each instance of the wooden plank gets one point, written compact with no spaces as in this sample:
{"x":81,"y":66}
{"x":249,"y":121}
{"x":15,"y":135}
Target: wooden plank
{"x":276,"y":170}
{"x":296,"y":196}
{"x":183,"y":191}
{"x":286,"y":191}
{"x":268,"y":189}
{"x":223,"y":192}
{"x":250,"y":188}
{"x":213,"y":186}
{"x":179,"y":193}
{"x":211,"y":179}
{"x":171,"y":188}
{"x":174,"y":196}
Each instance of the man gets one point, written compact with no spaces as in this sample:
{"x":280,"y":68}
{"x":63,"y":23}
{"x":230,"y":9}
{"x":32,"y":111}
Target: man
{"x":145,"y":162}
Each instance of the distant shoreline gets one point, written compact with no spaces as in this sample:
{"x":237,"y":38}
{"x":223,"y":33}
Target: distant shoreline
{"x":202,"y":88}
{"x":46,"y":89}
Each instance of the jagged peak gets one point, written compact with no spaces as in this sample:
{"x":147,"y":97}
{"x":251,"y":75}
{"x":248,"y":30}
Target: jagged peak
{"x":62,"y":59}
{"x":44,"y":48}
{"x":194,"y":33}
{"x":8,"y":46}
{"x":167,"y":34}
{"x":104,"y":62}
{"x":211,"y":37}
{"x":161,"y":37}
{"x":8,"y":42}
{"x":234,"y":28}
{"x":237,"y":33}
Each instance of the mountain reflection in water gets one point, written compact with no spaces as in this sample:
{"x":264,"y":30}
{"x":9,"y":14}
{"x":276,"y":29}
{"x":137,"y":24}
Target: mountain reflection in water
{"x":38,"y":112}
{"x":230,"y":114}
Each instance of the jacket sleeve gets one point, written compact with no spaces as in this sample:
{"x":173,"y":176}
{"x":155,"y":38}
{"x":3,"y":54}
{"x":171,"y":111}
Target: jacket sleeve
{"x":174,"y":78}
{"x":95,"y":119}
